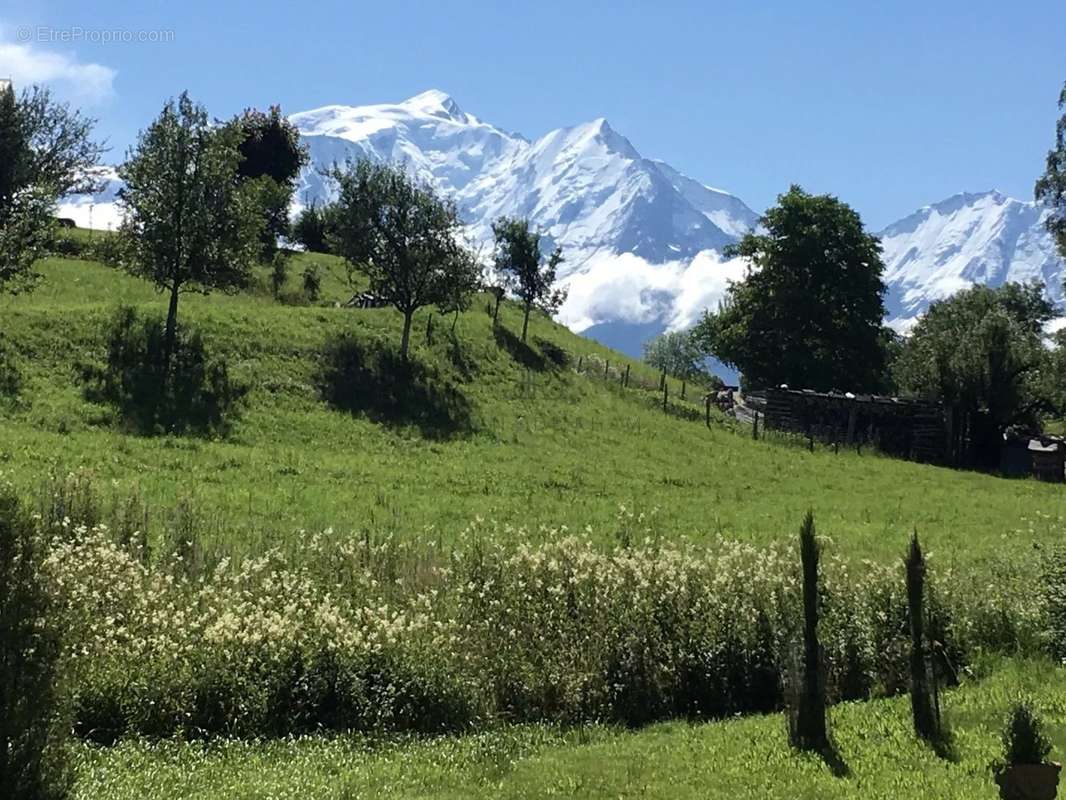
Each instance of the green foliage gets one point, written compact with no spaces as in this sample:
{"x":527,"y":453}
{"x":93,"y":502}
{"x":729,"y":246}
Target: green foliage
{"x":313,"y":228}
{"x":808,"y":728}
{"x":1051,"y":187}
{"x":189,"y":225}
{"x":199,"y":396}
{"x":46,"y":151}
{"x":32,"y":760}
{"x":312,"y":282}
{"x":270,"y":147}
{"x":981,"y":351}
{"x":678,"y":353}
{"x":401,"y":235}
{"x":279,"y":272}
{"x":524,"y":270}
{"x":923,"y":709}
{"x":1024,"y":741}
{"x":809,"y":313}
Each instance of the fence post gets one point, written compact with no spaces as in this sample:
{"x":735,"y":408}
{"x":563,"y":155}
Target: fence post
{"x":580,"y":362}
{"x":755,"y":425}
{"x":662,"y":380}
{"x":682,"y":390}
{"x":606,"y":367}
{"x":625,"y":381}
{"x":666,"y":394}
{"x":707,"y":403}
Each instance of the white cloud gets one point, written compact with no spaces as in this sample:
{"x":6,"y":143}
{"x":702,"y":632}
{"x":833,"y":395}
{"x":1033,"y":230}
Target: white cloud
{"x":627,"y":288}
{"x":74,"y":80}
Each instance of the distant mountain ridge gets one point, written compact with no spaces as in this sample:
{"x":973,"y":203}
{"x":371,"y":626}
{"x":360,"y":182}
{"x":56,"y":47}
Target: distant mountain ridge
{"x":643,"y":242}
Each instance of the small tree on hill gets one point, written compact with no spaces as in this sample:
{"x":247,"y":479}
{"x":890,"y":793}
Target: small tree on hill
{"x":809,"y":731}
{"x":31,"y":750}
{"x":401,"y":234}
{"x":312,"y":228}
{"x":460,"y":289}
{"x":678,"y":353}
{"x":189,"y":226}
{"x":923,"y":709}
{"x":1051,"y":188}
{"x":526,"y":272}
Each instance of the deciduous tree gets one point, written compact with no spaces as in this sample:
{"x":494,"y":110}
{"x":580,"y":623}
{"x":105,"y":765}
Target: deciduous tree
{"x":1051,"y":187}
{"x":189,"y":225}
{"x":526,"y":272}
{"x":401,"y":234}
{"x":809,"y":312}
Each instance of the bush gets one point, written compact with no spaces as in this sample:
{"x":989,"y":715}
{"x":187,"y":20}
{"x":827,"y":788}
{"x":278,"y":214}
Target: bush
{"x":198,"y":395}
{"x":10,"y":375}
{"x":1024,"y":741}
{"x":32,"y":765}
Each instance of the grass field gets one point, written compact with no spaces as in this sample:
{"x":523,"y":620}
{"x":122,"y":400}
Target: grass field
{"x":743,"y":758}
{"x":542,"y":445}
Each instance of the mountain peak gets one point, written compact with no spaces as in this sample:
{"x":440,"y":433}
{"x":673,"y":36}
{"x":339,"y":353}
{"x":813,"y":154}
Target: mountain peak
{"x":437,"y":103}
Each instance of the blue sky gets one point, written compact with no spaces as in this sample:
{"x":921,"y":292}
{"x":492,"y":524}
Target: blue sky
{"x":888,"y":105}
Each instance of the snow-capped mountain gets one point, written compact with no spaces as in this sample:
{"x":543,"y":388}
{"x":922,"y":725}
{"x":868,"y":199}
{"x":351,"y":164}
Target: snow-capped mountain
{"x":586,"y":186}
{"x":642,"y":241}
{"x":965,"y":240}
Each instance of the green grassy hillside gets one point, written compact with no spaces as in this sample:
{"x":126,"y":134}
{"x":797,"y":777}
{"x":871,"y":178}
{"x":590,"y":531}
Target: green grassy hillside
{"x":531,"y":441}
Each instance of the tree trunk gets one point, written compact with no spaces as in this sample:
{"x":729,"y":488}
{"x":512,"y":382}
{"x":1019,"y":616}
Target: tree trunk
{"x":408,"y":317}
{"x":170,"y":333}
{"x":525,"y":324}
{"x":496,"y":310}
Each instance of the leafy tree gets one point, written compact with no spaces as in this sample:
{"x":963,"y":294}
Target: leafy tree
{"x":679,"y":353}
{"x":279,"y":272}
{"x":46,"y":151}
{"x":190,"y":226}
{"x":31,"y":751}
{"x":401,"y":234}
{"x":463,"y":284}
{"x":525,"y":271}
{"x":809,"y":312}
{"x":981,"y":352}
{"x":313,"y":228}
{"x":1051,"y":187}
{"x":271,"y":160}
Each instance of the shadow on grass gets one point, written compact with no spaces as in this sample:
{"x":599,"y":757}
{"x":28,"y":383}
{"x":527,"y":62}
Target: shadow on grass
{"x":519,"y":350}
{"x":556,"y":355}
{"x":372,"y":379}
{"x":832,"y":758}
{"x":944,"y":746}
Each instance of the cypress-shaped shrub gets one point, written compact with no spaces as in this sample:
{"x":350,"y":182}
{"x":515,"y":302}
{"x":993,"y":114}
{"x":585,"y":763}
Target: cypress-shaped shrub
{"x":807,"y":727}
{"x":923,"y":709}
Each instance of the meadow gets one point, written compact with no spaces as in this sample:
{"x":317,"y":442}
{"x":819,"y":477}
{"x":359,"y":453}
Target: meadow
{"x":534,"y":442}
{"x":504,"y":583}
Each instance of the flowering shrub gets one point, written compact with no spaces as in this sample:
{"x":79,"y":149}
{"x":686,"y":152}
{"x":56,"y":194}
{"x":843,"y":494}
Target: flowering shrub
{"x":390,"y":635}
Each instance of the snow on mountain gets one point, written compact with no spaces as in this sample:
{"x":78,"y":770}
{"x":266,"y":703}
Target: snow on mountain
{"x":967,"y":239}
{"x":642,"y":242}
{"x":585,"y":186}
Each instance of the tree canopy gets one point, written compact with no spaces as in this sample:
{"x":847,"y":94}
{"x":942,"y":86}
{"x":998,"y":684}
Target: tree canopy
{"x":679,"y":353}
{"x":525,"y":271}
{"x":1051,"y":187}
{"x":981,"y":351}
{"x":401,"y":234}
{"x":809,"y":311}
{"x":190,"y":225}
{"x":46,"y":151}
